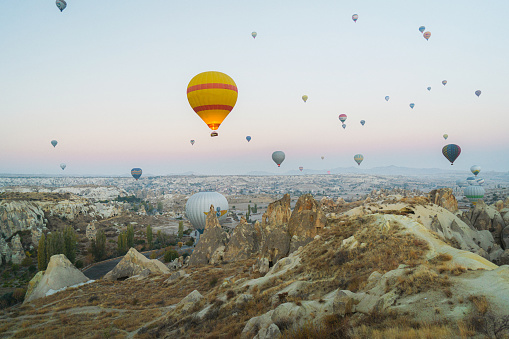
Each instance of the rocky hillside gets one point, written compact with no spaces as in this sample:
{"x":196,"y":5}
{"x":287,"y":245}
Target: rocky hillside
{"x":387,"y":267}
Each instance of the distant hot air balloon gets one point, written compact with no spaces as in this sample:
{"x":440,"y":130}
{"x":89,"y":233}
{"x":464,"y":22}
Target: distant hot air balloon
{"x":461,"y":183}
{"x":301,"y":168}
{"x":475,"y":169}
{"x":446,"y":136}
{"x":426,"y":35}
{"x":254,"y":34}
{"x":136,"y":173}
{"x":451,"y":152}
{"x":63,"y":166}
{"x":344,"y":126}
{"x":429,"y":88}
{"x":248,"y":138}
{"x":412,"y":105}
{"x":387,"y":98}
{"x":322,"y":157}
{"x":61,"y":4}
{"x":479,"y":181}
{"x":328,"y":172}
{"x":355,"y":17}
{"x":421,"y":29}
{"x":478,"y":93}
{"x":363,"y":122}
{"x":474,"y":193}
{"x":212,"y":95}
{"x":471,"y":180}
{"x":278,"y":157}
{"x":198,"y":206}
{"x":444,"y":82}
{"x":54,"y":143}
{"x":342,"y":117}
{"x":358,"y":158}
{"x":192,"y":142}
{"x":305,"y":98}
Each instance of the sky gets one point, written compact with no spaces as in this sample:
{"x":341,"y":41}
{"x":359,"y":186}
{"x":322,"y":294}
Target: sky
{"x":108,"y":80}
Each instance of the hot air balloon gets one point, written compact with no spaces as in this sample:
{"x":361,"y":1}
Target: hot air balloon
{"x":344,"y":126}
{"x":446,"y":136}
{"x":192,"y":142}
{"x":254,"y":34}
{"x":355,"y":17}
{"x":54,"y":143}
{"x":212,"y":95}
{"x":421,"y":29}
{"x":412,"y":105}
{"x":426,"y":35}
{"x":478,"y":93}
{"x":305,"y":98}
{"x":387,"y":98}
{"x":363,"y":122}
{"x":461,"y":183}
{"x":479,"y":181}
{"x":278,"y":157}
{"x":444,"y":82}
{"x":328,"y":172}
{"x":342,"y":117}
{"x":301,"y":168}
{"x":63,"y":166}
{"x":471,"y":180}
{"x":136,"y":173}
{"x":248,"y":138}
{"x":322,"y":157}
{"x":451,"y":152}
{"x":358,"y":158}
{"x":429,"y":88}
{"x":474,"y":193}
{"x":61,"y":4}
{"x":475,"y":169}
{"x":198,"y":206}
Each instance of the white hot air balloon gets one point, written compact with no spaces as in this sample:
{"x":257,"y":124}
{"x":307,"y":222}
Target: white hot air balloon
{"x":198,"y":206}
{"x":474,"y":193}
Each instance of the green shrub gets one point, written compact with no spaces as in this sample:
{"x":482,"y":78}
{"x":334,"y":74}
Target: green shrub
{"x":170,"y":255}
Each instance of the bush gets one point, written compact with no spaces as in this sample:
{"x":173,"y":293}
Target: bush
{"x":213,"y":281}
{"x":170,"y":255}
{"x":19,"y":294}
{"x":79,"y":263}
{"x":190,"y":242}
{"x":26,"y":262}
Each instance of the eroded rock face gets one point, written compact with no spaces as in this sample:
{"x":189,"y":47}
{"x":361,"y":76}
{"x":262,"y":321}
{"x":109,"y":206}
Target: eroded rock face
{"x":60,"y":273}
{"x":444,"y":197}
{"x":278,"y":212}
{"x":483,"y":217}
{"x":306,"y":221}
{"x":18,"y":216}
{"x":18,"y":253}
{"x":244,"y":242}
{"x":212,"y":239}
{"x":134,"y":263}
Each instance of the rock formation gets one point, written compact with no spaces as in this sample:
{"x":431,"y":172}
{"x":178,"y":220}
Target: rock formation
{"x":483,"y":217}
{"x":213,"y":238}
{"x":444,"y":197}
{"x":135,"y":263}
{"x":244,"y":242}
{"x":60,"y":274}
{"x":18,"y":253}
{"x":306,"y":221}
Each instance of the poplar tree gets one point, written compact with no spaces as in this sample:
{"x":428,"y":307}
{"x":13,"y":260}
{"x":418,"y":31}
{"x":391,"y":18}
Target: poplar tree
{"x":150,"y":236}
{"x":41,"y":254}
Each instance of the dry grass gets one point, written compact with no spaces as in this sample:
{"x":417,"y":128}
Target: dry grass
{"x":421,"y":280}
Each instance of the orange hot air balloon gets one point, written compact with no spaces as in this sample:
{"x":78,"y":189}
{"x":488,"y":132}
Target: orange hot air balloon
{"x":212,"y":95}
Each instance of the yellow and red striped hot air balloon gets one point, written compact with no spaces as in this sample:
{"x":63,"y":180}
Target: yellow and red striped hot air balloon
{"x":212,"y":96}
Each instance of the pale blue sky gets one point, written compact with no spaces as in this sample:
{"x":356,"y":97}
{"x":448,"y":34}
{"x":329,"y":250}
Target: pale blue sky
{"x":108,"y":80}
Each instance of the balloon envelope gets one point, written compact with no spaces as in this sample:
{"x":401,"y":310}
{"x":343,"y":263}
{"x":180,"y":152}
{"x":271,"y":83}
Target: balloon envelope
{"x":451,"y":152}
{"x":54,"y":142}
{"x":358,"y":158}
{"x":61,"y":4}
{"x":444,"y":82}
{"x":63,"y":166}
{"x":278,"y":157}
{"x":322,"y":157}
{"x":305,"y":98}
{"x":475,"y":169}
{"x":387,"y":98}
{"x":301,"y":168}
{"x":136,"y":173}
{"x":248,"y":138}
{"x":363,"y":122}
{"x":198,"y":206}
{"x":446,"y":136}
{"x":412,"y":105}
{"x":212,"y":95}
{"x":479,"y":181}
{"x":344,"y":126}
{"x":426,"y":35}
{"x":355,"y":17}
{"x":342,"y":117}
{"x":429,"y":88}
{"x":421,"y":29}
{"x":461,"y":183}
{"x":471,"y":180}
{"x":192,"y":142}
{"x":254,"y":34}
{"x":474,"y":193}
{"x":478,"y":92}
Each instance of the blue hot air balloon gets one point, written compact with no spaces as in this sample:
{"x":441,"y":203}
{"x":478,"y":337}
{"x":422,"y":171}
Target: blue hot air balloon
{"x":451,"y":152}
{"x":412,"y":105}
{"x":358,"y":158}
{"x":248,"y":138}
{"x":136,"y":173}
{"x":61,"y":4}
{"x":429,"y":88}
{"x":54,"y":143}
{"x":363,"y":122}
{"x":344,"y":126}
{"x":422,"y":29}
{"x":478,"y":93}
{"x":387,"y":98}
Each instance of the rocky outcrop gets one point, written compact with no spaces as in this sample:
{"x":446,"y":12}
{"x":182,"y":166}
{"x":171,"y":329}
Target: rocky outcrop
{"x":213,"y":238}
{"x":135,"y":263}
{"x":60,"y":274}
{"x":244,"y":242}
{"x":278,"y":212}
{"x":16,"y":216}
{"x":306,"y":221}
{"x":91,"y":231}
{"x":18,"y":253}
{"x":5,"y":251}
{"x":444,"y":197}
{"x":483,"y":217}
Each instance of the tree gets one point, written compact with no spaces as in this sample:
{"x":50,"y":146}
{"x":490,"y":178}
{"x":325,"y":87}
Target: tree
{"x":70,"y":243}
{"x":255,"y":208}
{"x":170,"y":255}
{"x":160,"y":206}
{"x":181,"y":229}
{"x":122,"y":243}
{"x":98,"y":247}
{"x":41,"y":254}
{"x":130,"y":236}
{"x":150,"y":236}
